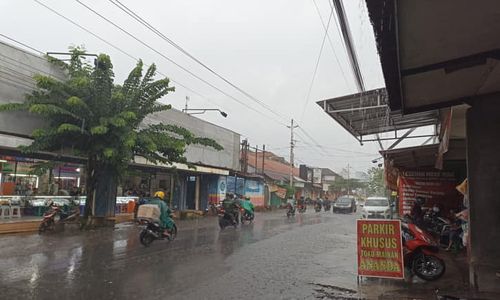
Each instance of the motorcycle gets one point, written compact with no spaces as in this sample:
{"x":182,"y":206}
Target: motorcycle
{"x":317,"y":207}
{"x":55,"y":216}
{"x":290,"y":212}
{"x":420,"y":253}
{"x":153,"y":231}
{"x":302,"y":208}
{"x":327,"y":206}
{"x":225,"y":219}
{"x":433,"y":223}
{"x":246,"y":217}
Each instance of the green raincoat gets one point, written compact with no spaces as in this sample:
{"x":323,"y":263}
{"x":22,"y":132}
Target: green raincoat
{"x":165,"y":219}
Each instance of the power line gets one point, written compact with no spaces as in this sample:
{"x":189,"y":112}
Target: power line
{"x":316,"y":67}
{"x":349,"y":43}
{"x":325,"y":27}
{"x":130,"y":55}
{"x":169,"y":59}
{"x":22,"y":44}
{"x":141,"y":20}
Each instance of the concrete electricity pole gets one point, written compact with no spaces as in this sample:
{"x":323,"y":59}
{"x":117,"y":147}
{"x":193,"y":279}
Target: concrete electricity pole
{"x":292,"y":143}
{"x":348,"y":179}
{"x":186,"y":106}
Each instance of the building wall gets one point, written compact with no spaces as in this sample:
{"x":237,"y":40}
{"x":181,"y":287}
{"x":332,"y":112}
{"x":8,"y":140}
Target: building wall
{"x":483,"y":168}
{"x":17,"y":68}
{"x":229,"y":140}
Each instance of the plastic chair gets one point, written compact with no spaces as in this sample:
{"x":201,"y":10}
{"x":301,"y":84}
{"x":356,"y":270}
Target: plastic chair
{"x":17,"y":210}
{"x":5,"y":212}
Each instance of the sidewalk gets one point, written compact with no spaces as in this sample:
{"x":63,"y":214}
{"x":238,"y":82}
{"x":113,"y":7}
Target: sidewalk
{"x":454,"y":284}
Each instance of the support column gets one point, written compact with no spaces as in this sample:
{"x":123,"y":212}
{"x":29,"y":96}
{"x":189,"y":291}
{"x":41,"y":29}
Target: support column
{"x":483,"y":171}
{"x":197,"y":194}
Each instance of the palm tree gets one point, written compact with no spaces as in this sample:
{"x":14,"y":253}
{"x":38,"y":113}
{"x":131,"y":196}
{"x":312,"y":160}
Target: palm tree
{"x":90,"y":116}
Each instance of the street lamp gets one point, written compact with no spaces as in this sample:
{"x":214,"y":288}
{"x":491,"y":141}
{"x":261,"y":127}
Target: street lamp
{"x":198,"y":111}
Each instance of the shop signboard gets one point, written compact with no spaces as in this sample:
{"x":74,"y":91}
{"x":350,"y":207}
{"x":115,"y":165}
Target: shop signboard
{"x":281,"y":193}
{"x":317,"y":175}
{"x":380,"y":249}
{"x":436,"y":187}
{"x":221,"y":187}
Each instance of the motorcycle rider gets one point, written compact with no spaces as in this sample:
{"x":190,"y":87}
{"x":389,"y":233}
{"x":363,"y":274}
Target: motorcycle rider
{"x":231,"y":208}
{"x":319,"y":202}
{"x":416,"y":211}
{"x":166,"y":221}
{"x":248,"y":206}
{"x":290,"y":202}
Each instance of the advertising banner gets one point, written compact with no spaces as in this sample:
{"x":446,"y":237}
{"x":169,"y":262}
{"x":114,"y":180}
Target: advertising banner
{"x":281,"y":193}
{"x":380,"y":249}
{"x":436,"y":187}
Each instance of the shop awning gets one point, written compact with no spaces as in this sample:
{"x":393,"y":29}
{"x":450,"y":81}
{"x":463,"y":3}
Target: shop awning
{"x":437,"y":54}
{"x":411,"y":157}
{"x":368,"y":113}
{"x":141,"y":161}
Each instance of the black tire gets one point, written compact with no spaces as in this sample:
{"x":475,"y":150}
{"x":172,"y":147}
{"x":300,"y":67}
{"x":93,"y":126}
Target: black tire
{"x":46,"y":226}
{"x":428,"y":267}
{"x":222,"y":223}
{"x":172,"y":233}
{"x":42,"y":227}
{"x":146,"y":238}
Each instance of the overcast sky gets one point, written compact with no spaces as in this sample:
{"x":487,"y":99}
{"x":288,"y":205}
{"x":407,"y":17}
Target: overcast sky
{"x":267,"y":48}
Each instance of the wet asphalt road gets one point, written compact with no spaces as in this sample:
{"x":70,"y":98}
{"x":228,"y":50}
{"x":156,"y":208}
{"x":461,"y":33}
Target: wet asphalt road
{"x":274,"y":258}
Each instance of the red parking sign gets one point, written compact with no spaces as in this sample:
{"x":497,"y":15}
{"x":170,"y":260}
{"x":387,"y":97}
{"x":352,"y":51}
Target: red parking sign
{"x":380,"y":249}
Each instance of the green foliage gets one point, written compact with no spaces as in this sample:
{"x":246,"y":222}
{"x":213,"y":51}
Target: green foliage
{"x":376,"y":185}
{"x":101,"y":120}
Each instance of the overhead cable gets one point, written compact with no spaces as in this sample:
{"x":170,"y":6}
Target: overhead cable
{"x":141,"y":20}
{"x":169,"y":59}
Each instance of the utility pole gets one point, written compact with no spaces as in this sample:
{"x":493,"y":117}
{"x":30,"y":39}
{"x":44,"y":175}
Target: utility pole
{"x":348,"y":179}
{"x":256,"y":159}
{"x":186,"y":106}
{"x":263,"y":157}
{"x":292,"y":144}
{"x":244,"y":156}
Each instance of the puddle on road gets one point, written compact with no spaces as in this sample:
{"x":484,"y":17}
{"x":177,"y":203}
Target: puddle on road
{"x":325,"y":291}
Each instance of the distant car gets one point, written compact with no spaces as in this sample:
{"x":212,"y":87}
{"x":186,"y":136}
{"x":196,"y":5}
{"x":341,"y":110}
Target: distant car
{"x":345,"y":204}
{"x":377,"y":208}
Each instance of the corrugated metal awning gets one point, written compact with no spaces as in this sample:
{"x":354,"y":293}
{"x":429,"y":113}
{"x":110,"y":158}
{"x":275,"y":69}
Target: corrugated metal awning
{"x":367,"y":113}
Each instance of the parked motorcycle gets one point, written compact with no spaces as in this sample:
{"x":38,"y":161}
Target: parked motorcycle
{"x":302,"y":208}
{"x":55,"y":216}
{"x":317,"y":207}
{"x":153,"y":231}
{"x":225,"y":219}
{"x":433,"y":223}
{"x":246,"y":217}
{"x":420,"y":253}
{"x":290,"y":210}
{"x":327,"y":206}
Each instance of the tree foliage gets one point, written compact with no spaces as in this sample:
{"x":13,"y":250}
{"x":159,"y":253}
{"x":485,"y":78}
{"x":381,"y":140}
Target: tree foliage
{"x":376,"y":185}
{"x":102,"y":121}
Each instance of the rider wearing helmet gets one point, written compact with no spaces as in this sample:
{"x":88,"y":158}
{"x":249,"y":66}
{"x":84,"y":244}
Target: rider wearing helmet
{"x":166,"y":221}
{"x":248,"y":206}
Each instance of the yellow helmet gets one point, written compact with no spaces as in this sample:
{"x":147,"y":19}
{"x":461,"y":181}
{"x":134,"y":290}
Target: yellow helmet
{"x":160,"y":195}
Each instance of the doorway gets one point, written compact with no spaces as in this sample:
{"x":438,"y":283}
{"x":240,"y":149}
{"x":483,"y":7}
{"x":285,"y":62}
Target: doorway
{"x":191,"y":192}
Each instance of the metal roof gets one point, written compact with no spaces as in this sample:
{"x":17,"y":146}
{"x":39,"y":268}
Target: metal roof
{"x":436,"y":54}
{"x":412,"y":157}
{"x":367,"y":113}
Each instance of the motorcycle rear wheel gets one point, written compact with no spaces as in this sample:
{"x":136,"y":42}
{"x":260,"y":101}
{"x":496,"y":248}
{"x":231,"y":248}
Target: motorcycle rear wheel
{"x":45,"y":226}
{"x":428,"y":267}
{"x":145,"y":238}
{"x":172,"y":233}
